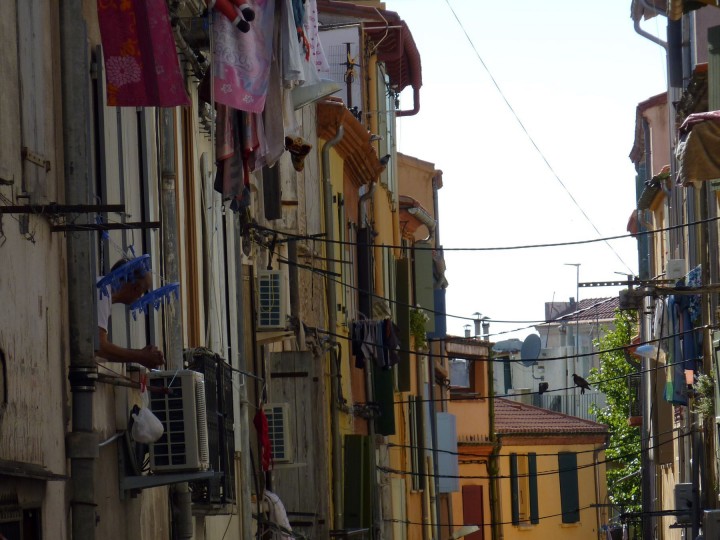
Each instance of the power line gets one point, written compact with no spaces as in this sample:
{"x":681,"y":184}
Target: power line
{"x":532,"y":141}
{"x":538,"y":454}
{"x":495,"y":248}
{"x":549,"y":472}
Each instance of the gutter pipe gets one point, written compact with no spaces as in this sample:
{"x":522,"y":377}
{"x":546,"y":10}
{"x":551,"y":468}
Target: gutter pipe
{"x":82,"y":442}
{"x":182,"y":518}
{"x":332,"y":327}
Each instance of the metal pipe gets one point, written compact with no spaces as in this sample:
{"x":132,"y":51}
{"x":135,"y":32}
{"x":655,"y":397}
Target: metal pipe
{"x":434,"y":435}
{"x":245,"y":507}
{"x":332,"y":327}
{"x":82,"y":442}
{"x":173,"y":348}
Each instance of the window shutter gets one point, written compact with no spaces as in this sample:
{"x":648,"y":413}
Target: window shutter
{"x":384,"y":386}
{"x":402,"y":310}
{"x":514,"y":490}
{"x":473,"y":510}
{"x":533,"y":482}
{"x":569,"y":498}
{"x":424,"y":287}
{"x":357,"y":465}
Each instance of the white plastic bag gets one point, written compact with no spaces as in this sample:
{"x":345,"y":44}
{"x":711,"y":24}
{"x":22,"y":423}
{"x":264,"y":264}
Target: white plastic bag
{"x":146,"y":426}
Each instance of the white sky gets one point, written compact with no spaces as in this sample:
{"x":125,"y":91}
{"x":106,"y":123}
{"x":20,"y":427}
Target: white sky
{"x":574,"y":73}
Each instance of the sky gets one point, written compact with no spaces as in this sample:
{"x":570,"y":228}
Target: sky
{"x":574,"y":74}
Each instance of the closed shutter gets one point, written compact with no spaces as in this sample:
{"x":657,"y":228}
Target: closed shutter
{"x":402,"y":310}
{"x":514,"y":490}
{"x":473,"y":510}
{"x":424,"y":286}
{"x":569,"y":497}
{"x":358,"y":481}
{"x":533,"y":483}
{"x":384,"y":388}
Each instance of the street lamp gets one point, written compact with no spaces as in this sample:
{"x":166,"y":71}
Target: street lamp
{"x":577,"y":322}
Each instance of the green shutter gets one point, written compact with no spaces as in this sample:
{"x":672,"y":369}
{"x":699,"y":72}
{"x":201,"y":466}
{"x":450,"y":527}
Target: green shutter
{"x":402,"y":310}
{"x":384,"y":390}
{"x":514,"y":490}
{"x":358,"y":481}
{"x":533,"y":482}
{"x":424,"y":286}
{"x":569,"y":497}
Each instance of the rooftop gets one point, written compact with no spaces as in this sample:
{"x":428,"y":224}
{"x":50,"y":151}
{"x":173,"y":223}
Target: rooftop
{"x":588,"y":309}
{"x":512,"y":417}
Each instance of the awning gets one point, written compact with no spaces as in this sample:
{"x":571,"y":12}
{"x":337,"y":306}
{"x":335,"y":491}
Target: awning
{"x":698,"y":152}
{"x":673,"y":9}
{"x":393,"y":40}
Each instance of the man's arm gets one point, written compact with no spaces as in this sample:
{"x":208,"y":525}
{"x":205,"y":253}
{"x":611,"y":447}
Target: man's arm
{"x":151,"y":357}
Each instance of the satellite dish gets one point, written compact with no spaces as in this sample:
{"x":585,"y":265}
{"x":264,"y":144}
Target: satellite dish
{"x":530,"y":350}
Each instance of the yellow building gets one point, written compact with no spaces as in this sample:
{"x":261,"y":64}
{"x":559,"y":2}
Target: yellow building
{"x":551,"y":473}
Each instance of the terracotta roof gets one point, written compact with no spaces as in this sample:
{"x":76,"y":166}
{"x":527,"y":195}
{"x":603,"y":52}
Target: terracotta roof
{"x":588,"y":309}
{"x":512,"y":417}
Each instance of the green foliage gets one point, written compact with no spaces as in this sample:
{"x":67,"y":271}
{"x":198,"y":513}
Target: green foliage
{"x":624,"y":445}
{"x":418,"y":318}
{"x":704,"y":389}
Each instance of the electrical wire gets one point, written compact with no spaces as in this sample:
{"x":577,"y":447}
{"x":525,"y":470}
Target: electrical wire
{"x":532,"y":141}
{"x":495,"y":248}
{"x":500,"y":360}
{"x":538,"y":454}
{"x":548,"y":472}
{"x":475,"y":397}
{"x":486,"y":524}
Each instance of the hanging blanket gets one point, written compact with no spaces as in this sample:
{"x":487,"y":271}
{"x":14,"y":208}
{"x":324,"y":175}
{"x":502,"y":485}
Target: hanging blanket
{"x":141,"y":64}
{"x":242,"y":60}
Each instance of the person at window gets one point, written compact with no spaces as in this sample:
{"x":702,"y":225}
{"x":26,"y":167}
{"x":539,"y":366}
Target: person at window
{"x":141,"y":281}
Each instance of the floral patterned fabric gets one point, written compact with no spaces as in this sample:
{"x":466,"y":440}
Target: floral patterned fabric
{"x":141,"y":64}
{"x":241,"y":72}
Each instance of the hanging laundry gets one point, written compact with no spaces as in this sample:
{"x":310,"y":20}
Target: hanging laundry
{"x":317,"y":54}
{"x":375,"y":341}
{"x":263,"y":431}
{"x":142,"y":68}
{"x":242,"y":60}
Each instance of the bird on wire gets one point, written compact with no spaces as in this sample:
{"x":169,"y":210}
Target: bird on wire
{"x":581,"y":383}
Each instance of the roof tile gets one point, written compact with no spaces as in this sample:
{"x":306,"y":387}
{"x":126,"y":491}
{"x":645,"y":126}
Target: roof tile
{"x":512,"y":417}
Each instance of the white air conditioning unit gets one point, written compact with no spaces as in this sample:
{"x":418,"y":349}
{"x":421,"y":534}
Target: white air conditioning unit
{"x":178,"y":400}
{"x":278,"y":416}
{"x":271,"y":308}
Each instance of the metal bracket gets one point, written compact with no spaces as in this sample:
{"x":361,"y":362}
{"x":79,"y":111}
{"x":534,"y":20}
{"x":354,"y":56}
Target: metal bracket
{"x":34,"y":157}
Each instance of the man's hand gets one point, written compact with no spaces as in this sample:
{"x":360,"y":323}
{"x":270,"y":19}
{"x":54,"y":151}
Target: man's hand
{"x":151,"y":357}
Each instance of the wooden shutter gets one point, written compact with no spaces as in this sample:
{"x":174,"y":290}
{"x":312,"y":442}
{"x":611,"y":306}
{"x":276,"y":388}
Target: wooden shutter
{"x":569,"y":497}
{"x":358,"y":481}
{"x":402,"y":310}
{"x":533,"y":483}
{"x":514,"y":490}
{"x":473,"y":510}
{"x":424,"y":287}
{"x":384,"y":388}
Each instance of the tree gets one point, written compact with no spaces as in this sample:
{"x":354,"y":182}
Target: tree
{"x":624,"y":450}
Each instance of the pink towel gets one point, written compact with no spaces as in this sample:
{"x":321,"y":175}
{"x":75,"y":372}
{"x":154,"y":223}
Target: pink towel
{"x":141,"y":64}
{"x":241,"y":72}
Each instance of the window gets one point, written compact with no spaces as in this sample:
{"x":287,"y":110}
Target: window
{"x":523,"y":488}
{"x":569,"y":497}
{"x":417,"y":438}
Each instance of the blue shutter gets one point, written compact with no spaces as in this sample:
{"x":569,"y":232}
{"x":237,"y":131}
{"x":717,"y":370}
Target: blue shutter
{"x":533,"y":482}
{"x":569,"y":497}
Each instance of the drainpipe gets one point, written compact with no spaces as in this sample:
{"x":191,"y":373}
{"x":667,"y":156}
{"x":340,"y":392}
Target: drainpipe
{"x":82,"y":442}
{"x":182,"y":518}
{"x":434,"y":436}
{"x":332,"y":327}
{"x":245,"y":509}
{"x":492,"y":465}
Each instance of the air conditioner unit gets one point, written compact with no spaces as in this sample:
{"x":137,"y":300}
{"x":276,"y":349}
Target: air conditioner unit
{"x":278,"y":416}
{"x":271,"y":309}
{"x":179,"y":403}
